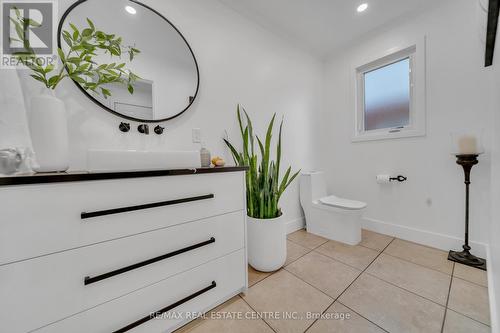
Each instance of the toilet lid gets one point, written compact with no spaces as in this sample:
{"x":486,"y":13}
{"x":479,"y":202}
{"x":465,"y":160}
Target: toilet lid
{"x":342,"y":203}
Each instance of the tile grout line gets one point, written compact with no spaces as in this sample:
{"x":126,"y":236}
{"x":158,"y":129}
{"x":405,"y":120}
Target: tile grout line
{"x":283,"y":268}
{"x":476,"y":284}
{"x":269,"y":325}
{"x":298,"y":277}
{"x":342,"y":293}
{"x":451,"y":275}
{"x":447,"y":298}
{"x":305,"y":247}
{"x":366,"y":247}
{"x":342,"y":262}
{"x":466,"y":316}
{"x":402,"y":288}
{"x":382,"y":251}
{"x":272,"y":273}
{"x":308,"y":251}
{"x":363,"y":317}
{"x":436,"y":270}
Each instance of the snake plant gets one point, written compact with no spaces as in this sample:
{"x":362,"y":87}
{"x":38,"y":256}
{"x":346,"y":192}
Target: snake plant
{"x":264,"y":186}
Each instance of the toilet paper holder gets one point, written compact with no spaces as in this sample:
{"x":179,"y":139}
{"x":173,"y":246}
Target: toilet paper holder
{"x":399,"y":179}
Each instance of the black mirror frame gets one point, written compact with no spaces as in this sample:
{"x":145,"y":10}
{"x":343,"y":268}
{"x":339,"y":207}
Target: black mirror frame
{"x":191,"y":99}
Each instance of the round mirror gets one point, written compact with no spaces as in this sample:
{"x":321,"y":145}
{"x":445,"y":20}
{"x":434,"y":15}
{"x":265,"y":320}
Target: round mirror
{"x":165,"y":77}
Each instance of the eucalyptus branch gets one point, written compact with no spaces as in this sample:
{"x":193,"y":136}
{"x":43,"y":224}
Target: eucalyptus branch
{"x":79,"y":60}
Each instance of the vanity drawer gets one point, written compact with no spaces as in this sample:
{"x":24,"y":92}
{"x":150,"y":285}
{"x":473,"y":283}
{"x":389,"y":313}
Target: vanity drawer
{"x":53,"y":287}
{"x":227,"y":272}
{"x":43,"y":219}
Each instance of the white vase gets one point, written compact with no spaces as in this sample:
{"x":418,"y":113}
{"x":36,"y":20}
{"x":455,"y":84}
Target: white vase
{"x":49,"y":133}
{"x":266,"y":243}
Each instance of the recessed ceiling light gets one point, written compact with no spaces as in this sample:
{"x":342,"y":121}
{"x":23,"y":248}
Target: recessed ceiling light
{"x":130,"y":9}
{"x":362,"y":7}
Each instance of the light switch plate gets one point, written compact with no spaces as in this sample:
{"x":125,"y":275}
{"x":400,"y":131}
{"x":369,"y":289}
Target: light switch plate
{"x":196,"y":135}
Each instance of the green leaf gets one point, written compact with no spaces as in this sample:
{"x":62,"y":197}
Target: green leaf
{"x":130,"y":89}
{"x":34,"y":23}
{"x":61,"y":55}
{"x":105,"y":92}
{"x":91,"y":24}
{"x":39,"y":78}
{"x":236,"y":156}
{"x":75,"y":60}
{"x":78,"y":79}
{"x":53,"y":80}
{"x":75,"y":29}
{"x":87,"y":32}
{"x":67,"y":39}
{"x":49,"y":68}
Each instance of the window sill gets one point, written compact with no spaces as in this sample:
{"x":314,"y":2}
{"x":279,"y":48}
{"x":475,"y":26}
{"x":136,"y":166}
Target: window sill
{"x":385,"y":135}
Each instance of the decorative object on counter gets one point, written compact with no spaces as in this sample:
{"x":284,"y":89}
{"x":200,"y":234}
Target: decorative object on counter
{"x":49,"y":133}
{"x":47,"y":117}
{"x":10,"y":161}
{"x":159,"y":130}
{"x":205,"y":157}
{"x":124,"y":127}
{"x":467,"y":147}
{"x":266,"y":227}
{"x":218,"y":161}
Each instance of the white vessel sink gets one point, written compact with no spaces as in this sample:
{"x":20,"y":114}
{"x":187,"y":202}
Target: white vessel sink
{"x":136,"y":160}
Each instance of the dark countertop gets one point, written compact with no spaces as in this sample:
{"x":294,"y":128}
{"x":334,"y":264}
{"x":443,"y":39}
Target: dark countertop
{"x":78,"y":176}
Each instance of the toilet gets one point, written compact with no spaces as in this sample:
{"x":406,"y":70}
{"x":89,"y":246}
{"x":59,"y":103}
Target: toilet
{"x":329,"y":216}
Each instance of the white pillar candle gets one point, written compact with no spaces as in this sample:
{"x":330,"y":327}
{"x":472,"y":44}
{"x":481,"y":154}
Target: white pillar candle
{"x":467,"y":144}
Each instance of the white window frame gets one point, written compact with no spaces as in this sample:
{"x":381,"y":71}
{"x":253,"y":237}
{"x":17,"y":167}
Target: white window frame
{"x":417,"y":122}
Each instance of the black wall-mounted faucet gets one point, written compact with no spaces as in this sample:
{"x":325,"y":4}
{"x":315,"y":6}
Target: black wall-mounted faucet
{"x":159,"y":130}
{"x":124,"y":127}
{"x":143,"y":128}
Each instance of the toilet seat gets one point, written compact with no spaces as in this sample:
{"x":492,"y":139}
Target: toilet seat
{"x":337,"y":202}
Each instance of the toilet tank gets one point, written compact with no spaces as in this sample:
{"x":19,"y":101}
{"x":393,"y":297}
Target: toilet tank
{"x":312,"y":187}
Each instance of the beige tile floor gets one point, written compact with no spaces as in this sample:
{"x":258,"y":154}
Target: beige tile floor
{"x":382,"y":285}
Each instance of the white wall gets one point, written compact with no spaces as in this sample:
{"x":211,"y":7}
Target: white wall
{"x":429,"y":207}
{"x":494,"y":231}
{"x":239,"y":63}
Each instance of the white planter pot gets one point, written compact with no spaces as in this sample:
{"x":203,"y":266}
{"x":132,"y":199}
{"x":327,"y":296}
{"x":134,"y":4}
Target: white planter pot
{"x":266,"y":243}
{"x":49,"y":133}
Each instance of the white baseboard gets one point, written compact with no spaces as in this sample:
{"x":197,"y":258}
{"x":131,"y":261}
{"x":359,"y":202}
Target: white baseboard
{"x":294,"y":225}
{"x":494,"y":314}
{"x":432,"y":239}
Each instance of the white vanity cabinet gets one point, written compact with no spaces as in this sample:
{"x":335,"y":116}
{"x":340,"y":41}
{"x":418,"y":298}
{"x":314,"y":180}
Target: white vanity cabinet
{"x":105,"y":252}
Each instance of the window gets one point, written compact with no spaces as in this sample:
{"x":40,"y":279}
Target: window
{"x":387,"y":96}
{"x":390,"y":97}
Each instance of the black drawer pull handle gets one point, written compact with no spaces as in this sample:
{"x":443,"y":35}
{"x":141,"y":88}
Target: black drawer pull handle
{"x":89,"y":280}
{"x":145,"y":206}
{"x":166,"y":309}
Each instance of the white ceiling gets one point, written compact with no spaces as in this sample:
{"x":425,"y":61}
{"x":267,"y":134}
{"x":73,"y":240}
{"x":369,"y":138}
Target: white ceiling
{"x":324,"y":25}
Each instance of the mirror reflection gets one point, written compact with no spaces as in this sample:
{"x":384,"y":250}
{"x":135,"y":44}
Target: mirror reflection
{"x":167,"y":71}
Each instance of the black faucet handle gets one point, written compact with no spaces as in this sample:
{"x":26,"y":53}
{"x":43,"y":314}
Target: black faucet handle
{"x":143,"y":128}
{"x":159,"y":130}
{"x":124,"y":127}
